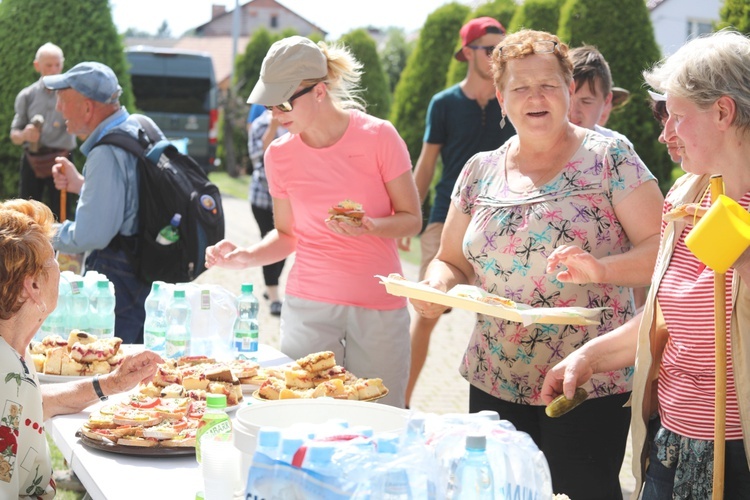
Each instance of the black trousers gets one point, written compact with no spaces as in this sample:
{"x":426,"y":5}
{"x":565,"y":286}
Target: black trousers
{"x":584,"y":448}
{"x":264,"y":218}
{"x":30,"y":187}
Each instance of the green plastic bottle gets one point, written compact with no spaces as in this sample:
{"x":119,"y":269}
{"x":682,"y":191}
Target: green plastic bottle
{"x":215,"y":422}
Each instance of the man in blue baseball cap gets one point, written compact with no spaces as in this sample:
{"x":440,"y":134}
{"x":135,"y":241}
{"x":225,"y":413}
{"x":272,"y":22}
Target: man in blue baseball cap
{"x":106,"y":219}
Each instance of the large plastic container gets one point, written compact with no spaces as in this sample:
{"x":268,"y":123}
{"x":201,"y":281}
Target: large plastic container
{"x":282,"y":414}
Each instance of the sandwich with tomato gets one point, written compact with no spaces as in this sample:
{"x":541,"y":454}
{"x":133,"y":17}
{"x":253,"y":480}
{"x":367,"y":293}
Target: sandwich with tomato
{"x":347,"y":211}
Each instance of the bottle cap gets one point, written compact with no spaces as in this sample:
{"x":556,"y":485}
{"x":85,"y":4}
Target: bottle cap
{"x":176,"y":218}
{"x":247,"y":288}
{"x":102,"y":284}
{"x":476,"y":442}
{"x":216,"y":400}
{"x":179,"y":294}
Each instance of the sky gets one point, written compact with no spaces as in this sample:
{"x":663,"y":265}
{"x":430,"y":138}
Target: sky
{"x":334,"y":16}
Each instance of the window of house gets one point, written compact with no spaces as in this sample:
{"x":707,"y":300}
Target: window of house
{"x":698,"y":27}
{"x":274,"y":21}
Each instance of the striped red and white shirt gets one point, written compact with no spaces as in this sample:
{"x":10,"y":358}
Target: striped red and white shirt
{"x":687,"y":373}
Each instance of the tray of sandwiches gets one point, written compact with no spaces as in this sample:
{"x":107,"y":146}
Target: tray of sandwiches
{"x":475,"y":299}
{"x":315,"y":376}
{"x":57,"y":359}
{"x":161,"y":418}
{"x":144,"y":425}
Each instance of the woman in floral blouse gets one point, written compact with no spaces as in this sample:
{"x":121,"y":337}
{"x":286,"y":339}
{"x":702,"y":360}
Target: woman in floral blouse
{"x":558,"y":216}
{"x":29,"y":283}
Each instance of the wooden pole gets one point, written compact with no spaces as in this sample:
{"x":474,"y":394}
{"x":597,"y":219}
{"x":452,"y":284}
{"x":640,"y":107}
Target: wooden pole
{"x":63,"y":205}
{"x":720,"y":361}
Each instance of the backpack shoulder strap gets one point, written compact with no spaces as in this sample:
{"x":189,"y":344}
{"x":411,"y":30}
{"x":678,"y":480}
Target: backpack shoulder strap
{"x":123,"y":141}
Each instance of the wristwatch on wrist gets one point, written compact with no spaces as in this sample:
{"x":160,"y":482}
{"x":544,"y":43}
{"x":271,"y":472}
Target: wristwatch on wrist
{"x":98,"y":388}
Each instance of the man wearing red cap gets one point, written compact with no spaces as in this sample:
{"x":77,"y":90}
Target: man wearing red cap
{"x":461,"y":120}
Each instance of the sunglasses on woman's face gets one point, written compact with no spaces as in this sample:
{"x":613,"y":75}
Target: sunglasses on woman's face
{"x":286,"y":106}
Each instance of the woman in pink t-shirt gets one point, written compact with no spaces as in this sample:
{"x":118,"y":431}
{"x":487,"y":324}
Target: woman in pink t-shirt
{"x":334,"y":151}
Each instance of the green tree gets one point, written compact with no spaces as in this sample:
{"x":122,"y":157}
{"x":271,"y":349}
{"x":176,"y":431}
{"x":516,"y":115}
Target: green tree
{"x":394,"y":55}
{"x":502,"y":10}
{"x":735,"y":14}
{"x":246,"y":74}
{"x":632,"y":50}
{"x":164,"y":31}
{"x":425,"y":72}
{"x":374,"y":82}
{"x":85,"y":32}
{"x":541,"y":15}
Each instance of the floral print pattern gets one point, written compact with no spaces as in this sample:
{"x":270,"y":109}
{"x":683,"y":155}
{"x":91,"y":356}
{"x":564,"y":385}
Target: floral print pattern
{"x":507,"y":243}
{"x":25,"y":466}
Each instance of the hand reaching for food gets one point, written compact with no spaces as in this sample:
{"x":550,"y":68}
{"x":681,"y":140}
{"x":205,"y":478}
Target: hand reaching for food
{"x":581,"y":266}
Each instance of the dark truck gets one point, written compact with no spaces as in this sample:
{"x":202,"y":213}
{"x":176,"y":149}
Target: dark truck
{"x":177,"y":89}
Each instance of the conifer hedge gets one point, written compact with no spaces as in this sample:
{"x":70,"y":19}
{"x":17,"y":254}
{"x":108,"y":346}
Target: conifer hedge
{"x":376,"y":92}
{"x":540,"y":15}
{"x":629,"y":50}
{"x":425,"y":73}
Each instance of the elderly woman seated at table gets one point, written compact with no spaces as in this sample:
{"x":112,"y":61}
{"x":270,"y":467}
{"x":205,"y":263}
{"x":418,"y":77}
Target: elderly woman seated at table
{"x":29,"y":277}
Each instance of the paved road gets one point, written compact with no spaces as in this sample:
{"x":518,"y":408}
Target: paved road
{"x":440,"y":388}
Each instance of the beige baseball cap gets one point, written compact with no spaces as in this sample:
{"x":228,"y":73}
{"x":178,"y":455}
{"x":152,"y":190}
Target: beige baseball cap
{"x":287,"y":63}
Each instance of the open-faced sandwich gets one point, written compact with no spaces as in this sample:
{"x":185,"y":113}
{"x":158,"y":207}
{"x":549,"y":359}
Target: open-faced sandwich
{"x":144,"y":421}
{"x":82,"y":354}
{"x":347,"y":211}
{"x":195,"y":376}
{"x":315,"y":376}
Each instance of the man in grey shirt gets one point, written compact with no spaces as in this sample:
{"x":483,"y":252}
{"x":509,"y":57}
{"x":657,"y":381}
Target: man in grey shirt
{"x":40,"y":129}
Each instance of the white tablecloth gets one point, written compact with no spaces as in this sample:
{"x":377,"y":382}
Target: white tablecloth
{"x":112,"y":476}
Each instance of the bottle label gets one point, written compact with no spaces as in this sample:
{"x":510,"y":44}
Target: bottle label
{"x":206,"y":300}
{"x":246,"y":341}
{"x":216,"y":429}
{"x":155,"y":340}
{"x":176,"y":348}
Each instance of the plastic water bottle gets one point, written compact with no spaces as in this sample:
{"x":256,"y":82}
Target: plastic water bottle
{"x":170,"y":234}
{"x":78,"y":312}
{"x":178,"y":326}
{"x":215,"y":422}
{"x":155,"y":326}
{"x":269,"y":440}
{"x":102,"y":306}
{"x":318,"y":458}
{"x":473,"y":473}
{"x":55,"y":323}
{"x":283,"y":486}
{"x":245,"y":329}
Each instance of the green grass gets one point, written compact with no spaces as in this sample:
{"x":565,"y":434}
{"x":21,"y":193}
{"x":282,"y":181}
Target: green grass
{"x":230,"y":186}
{"x":58,"y":464}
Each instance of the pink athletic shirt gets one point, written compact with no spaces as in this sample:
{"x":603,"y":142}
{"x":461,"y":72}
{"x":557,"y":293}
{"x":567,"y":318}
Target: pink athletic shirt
{"x":329,"y":267}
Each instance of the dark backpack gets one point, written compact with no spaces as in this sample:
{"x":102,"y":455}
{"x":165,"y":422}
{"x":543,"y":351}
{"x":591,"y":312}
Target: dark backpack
{"x":170,"y":183}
